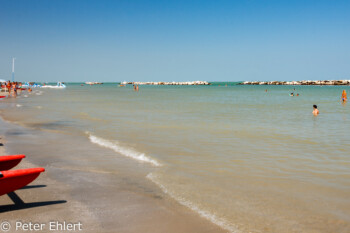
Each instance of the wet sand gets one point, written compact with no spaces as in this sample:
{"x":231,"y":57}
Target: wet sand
{"x":76,"y":188}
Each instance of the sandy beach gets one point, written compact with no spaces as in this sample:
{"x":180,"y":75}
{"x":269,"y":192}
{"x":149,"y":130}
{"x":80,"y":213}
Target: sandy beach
{"x":75,"y":191}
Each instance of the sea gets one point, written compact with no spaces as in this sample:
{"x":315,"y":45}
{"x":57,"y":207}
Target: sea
{"x":246,"y":158}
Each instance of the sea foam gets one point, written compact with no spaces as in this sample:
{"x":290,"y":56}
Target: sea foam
{"x":128,"y":152}
{"x":223,"y":223}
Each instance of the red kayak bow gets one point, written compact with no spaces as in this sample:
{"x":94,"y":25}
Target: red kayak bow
{"x":13,"y":180}
{"x":9,"y":161}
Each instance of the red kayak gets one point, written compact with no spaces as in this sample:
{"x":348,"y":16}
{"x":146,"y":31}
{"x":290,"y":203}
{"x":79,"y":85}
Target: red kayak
{"x":3,"y":96}
{"x":13,"y":180}
{"x":9,"y":161}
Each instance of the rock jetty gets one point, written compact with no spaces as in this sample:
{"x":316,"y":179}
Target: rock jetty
{"x":92,"y":83}
{"x":305,"y":82}
{"x":168,"y":83}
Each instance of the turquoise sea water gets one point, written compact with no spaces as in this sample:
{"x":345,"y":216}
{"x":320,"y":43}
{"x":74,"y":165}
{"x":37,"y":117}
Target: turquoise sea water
{"x":245,"y":159}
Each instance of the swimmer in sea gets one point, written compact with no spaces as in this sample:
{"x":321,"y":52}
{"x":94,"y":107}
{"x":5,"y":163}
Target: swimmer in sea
{"x":315,"y":111}
{"x":292,"y":94}
{"x":344,"y":96}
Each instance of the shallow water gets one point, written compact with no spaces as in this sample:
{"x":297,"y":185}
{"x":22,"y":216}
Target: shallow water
{"x":246,"y":159}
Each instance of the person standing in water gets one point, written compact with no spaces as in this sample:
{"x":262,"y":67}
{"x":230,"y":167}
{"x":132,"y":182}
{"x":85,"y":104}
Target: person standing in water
{"x":344,"y":96}
{"x":315,"y":111}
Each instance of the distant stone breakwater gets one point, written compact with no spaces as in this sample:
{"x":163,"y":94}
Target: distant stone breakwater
{"x":168,"y":83}
{"x":307,"y":82}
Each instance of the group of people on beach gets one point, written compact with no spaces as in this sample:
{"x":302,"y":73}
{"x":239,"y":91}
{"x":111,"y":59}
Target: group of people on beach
{"x":11,"y":88}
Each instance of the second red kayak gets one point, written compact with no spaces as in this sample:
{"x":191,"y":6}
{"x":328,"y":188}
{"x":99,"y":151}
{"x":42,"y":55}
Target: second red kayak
{"x":13,"y":180}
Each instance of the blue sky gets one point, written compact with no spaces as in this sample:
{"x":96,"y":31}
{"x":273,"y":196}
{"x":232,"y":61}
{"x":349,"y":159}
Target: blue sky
{"x":174,"y":40}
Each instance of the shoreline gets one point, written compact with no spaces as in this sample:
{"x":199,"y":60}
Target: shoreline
{"x":122,"y":202}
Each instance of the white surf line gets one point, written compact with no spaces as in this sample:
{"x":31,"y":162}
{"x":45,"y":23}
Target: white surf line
{"x":223,"y":223}
{"x":128,"y":152}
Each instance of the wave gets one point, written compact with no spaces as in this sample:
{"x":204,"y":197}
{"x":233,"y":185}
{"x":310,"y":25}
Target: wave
{"x":128,"y":152}
{"x":223,"y":223}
